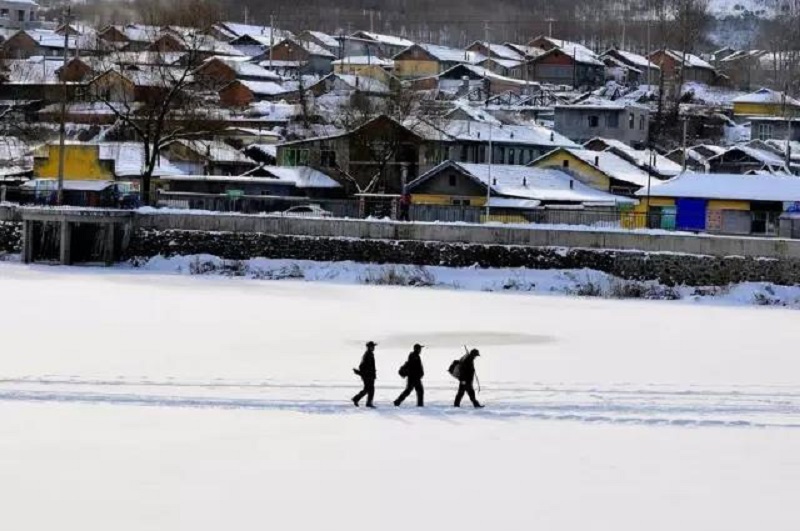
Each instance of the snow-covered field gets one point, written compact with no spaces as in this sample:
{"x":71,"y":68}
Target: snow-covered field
{"x":145,"y":401}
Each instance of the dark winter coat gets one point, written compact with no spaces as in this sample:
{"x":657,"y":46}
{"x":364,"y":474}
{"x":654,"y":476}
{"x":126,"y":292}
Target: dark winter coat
{"x":466,"y":369}
{"x":367,"y":366}
{"x":414,"y":366}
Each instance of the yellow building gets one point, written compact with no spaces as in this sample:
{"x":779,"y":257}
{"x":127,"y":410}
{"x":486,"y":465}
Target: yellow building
{"x":81,"y":163}
{"x":602,"y":170}
{"x":766,"y":102}
{"x":364,"y":65}
{"x":428,"y":60}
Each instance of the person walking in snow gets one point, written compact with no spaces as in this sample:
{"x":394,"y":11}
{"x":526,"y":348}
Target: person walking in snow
{"x":413,"y":372}
{"x":366,"y":370}
{"x":466,"y":377}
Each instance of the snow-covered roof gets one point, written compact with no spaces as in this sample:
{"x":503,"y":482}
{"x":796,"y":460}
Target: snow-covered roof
{"x":642,"y":157}
{"x":767,"y":158}
{"x":525,"y":182}
{"x":505,"y":63}
{"x":502,"y":51}
{"x":235,"y":29}
{"x":613,"y":165}
{"x":475,"y":112}
{"x":635,"y":59}
{"x":311,"y":47}
{"x":579,"y":52}
{"x":302,"y":176}
{"x":692,"y":60}
{"x":128,"y":159}
{"x":263,"y":88}
{"x":246,"y":69}
{"x":451,"y":55}
{"x":362,"y":60}
{"x":729,"y":187}
{"x":468,"y":130}
{"x":33,"y":71}
{"x":363,"y":83}
{"x":69,"y":185}
{"x":389,"y":40}
{"x":270,"y":150}
{"x":482,"y":72}
{"x":525,"y":50}
{"x":327,"y":40}
{"x":216,"y":151}
{"x":50,"y":39}
{"x":767,"y":96}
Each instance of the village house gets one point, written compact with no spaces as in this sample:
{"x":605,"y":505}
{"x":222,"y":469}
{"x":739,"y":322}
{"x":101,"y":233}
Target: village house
{"x":341,"y":84}
{"x":427,"y":60}
{"x":365,"y":65}
{"x":617,"y":120}
{"x":104,"y":161}
{"x":628,"y":68}
{"x":381,"y":155}
{"x":219,"y":71}
{"x":230,"y":31}
{"x":564,"y":63}
{"x":724,"y":203}
{"x":207,"y":157}
{"x":18,"y":14}
{"x":242,"y":92}
{"x":277,"y":181}
{"x":774,"y":128}
{"x":310,"y":58}
{"x":697,"y":157}
{"x":649,"y":160}
{"x":765,"y":102}
{"x":461,"y":80}
{"x":36,"y":80}
{"x":743,"y":159}
{"x":676,"y":65}
{"x":386,"y":45}
{"x":129,"y":37}
{"x":469,"y":141}
{"x":42,"y":43}
{"x":511,"y":188}
{"x":744,"y":68}
{"x":602,"y":170}
{"x":329,"y":42}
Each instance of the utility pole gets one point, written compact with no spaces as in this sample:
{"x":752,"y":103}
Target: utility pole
{"x":62,"y":130}
{"x":684,"y":145}
{"x":489,"y":174}
{"x":271,"y":38}
{"x":372,"y":21}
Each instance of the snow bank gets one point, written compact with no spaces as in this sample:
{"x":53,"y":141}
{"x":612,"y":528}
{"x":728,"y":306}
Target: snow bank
{"x":581,"y":282}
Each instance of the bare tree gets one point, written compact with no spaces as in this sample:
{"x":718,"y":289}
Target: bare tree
{"x":155,"y":96}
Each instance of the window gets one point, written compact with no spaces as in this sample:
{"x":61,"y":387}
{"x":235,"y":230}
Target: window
{"x":20,"y":15}
{"x":4,"y":13}
{"x":481,"y":154}
{"x":512,"y":153}
{"x":565,"y":163}
{"x":32,"y":16}
{"x":302,"y":159}
{"x":295,"y":157}
{"x":499,"y":155}
{"x":641,"y":123}
{"x":764,"y":131}
{"x":452,"y":179}
{"x":594,"y":121}
{"x":631,"y":121}
{"x":463,"y":153}
{"x":328,"y":158}
{"x":460,"y":202}
{"x":612,"y":120}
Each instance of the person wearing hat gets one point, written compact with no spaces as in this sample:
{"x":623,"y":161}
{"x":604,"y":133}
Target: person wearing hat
{"x":413,"y":371}
{"x":466,"y":377}
{"x":366,"y":370}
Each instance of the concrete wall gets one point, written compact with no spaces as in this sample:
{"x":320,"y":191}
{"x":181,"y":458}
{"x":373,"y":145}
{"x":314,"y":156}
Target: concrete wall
{"x":720,"y":246}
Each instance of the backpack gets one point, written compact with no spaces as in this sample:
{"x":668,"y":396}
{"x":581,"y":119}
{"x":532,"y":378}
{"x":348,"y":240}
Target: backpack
{"x":455,"y":369}
{"x":403,"y":372}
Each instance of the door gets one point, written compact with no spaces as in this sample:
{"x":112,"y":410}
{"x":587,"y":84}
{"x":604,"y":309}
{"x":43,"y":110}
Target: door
{"x":691,"y":214}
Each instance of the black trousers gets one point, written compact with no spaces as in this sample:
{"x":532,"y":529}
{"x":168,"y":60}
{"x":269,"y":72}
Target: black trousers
{"x":412,"y":385}
{"x":368,"y":391}
{"x":466,"y":387}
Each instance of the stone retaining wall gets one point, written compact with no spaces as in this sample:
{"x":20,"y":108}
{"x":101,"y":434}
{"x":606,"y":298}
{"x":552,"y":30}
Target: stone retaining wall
{"x":10,"y":237}
{"x":667,"y":268}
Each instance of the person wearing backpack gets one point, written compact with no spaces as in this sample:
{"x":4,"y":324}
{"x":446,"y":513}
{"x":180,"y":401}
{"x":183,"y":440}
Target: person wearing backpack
{"x":465,"y":372}
{"x":413,"y":372}
{"x":366,"y":370}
